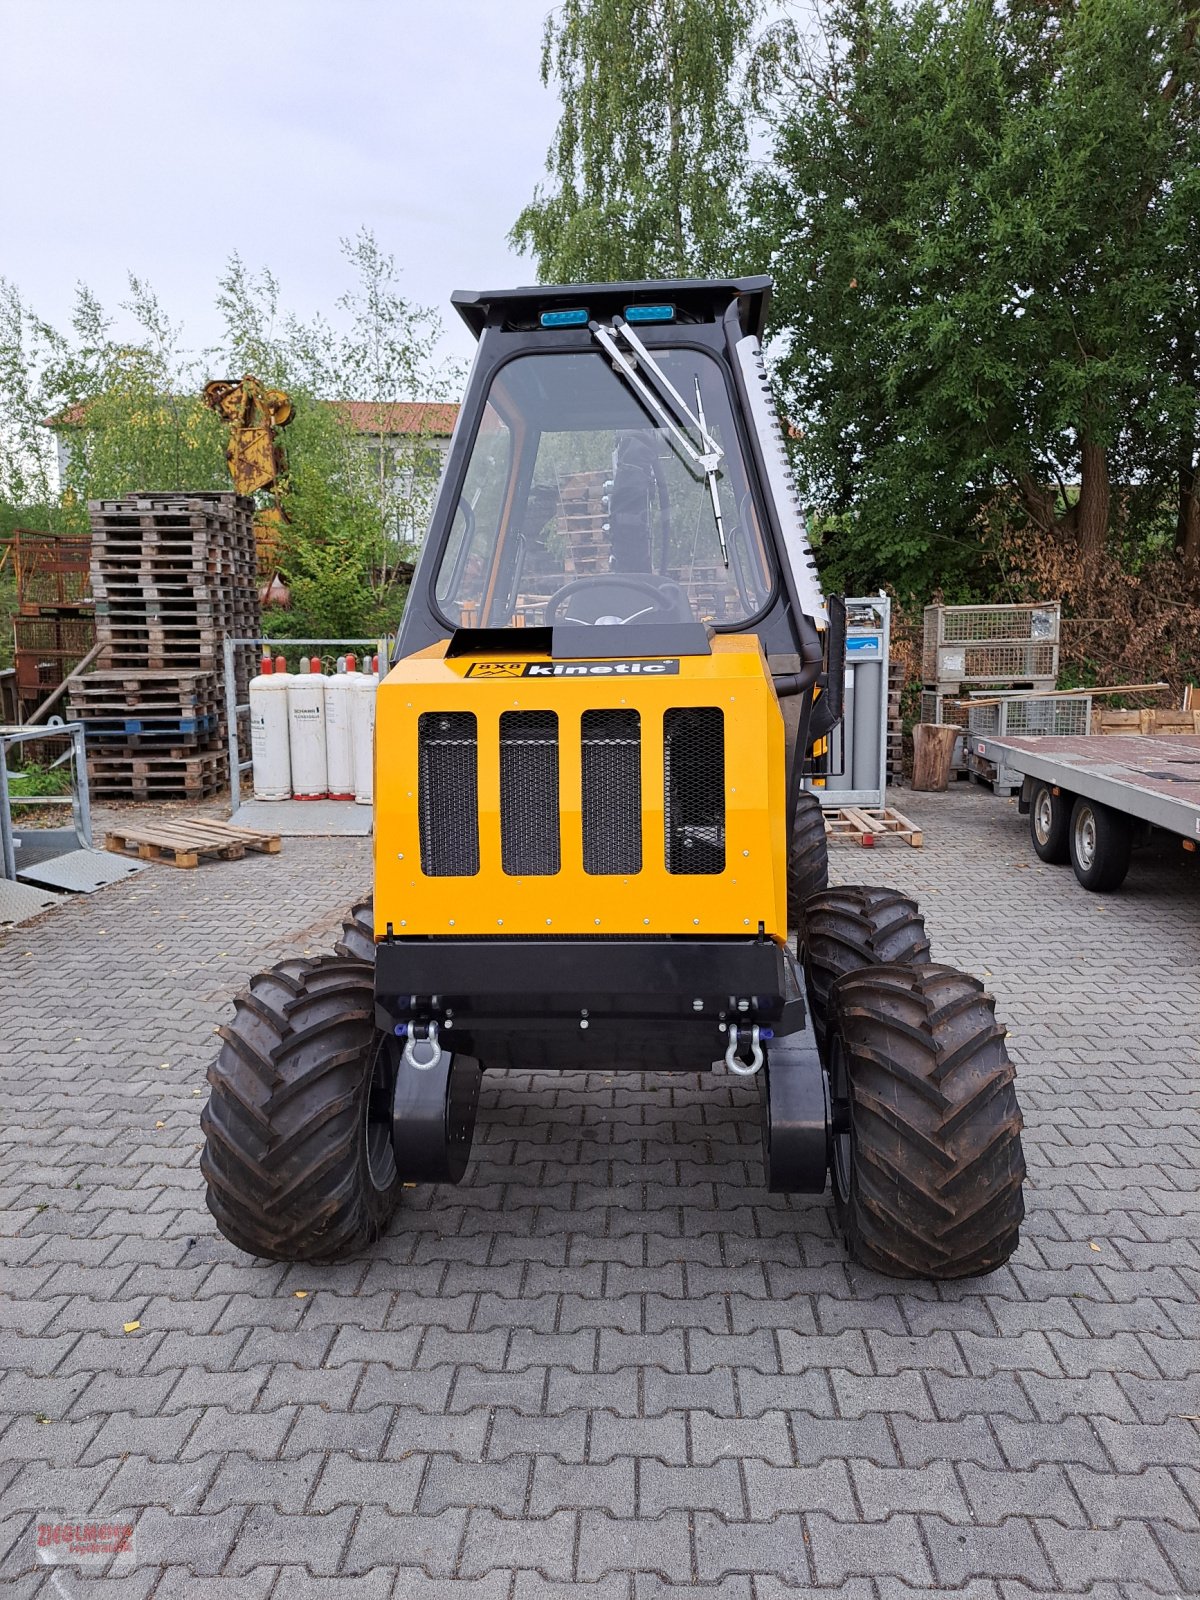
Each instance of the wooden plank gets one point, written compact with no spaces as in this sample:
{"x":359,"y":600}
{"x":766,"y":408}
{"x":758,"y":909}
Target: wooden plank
{"x":1068,"y":694}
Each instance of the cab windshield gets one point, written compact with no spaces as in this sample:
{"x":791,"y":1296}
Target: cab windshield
{"x":579,"y":506}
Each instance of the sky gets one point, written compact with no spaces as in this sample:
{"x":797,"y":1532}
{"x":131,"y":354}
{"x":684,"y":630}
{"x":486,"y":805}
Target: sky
{"x":159,"y":136}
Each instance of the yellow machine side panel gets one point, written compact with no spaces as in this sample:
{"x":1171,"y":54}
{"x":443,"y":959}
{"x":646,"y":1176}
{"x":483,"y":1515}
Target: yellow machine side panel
{"x":750,"y":890}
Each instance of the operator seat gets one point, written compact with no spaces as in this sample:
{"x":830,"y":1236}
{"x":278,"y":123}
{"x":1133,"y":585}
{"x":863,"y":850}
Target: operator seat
{"x":636,"y":478}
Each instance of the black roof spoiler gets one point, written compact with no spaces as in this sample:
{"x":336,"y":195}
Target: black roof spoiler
{"x":696,"y":299}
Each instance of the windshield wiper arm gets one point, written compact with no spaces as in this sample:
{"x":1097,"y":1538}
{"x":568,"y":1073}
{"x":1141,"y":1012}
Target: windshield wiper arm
{"x":711,"y":478}
{"x":663,"y":399}
{"x":650,"y":398}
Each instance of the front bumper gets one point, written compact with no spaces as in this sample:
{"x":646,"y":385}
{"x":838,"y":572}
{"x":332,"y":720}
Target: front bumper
{"x":650,"y":1003}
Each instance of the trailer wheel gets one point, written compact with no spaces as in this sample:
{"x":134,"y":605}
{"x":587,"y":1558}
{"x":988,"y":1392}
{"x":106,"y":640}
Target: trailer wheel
{"x":358,"y":932}
{"x":1101,"y":842}
{"x":1050,"y":824}
{"x":298,"y":1155}
{"x":926,"y":1131}
{"x":851,"y":927}
{"x":808,"y":856}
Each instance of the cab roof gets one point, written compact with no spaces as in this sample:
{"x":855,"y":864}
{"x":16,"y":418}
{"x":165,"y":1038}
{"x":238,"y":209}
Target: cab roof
{"x":694,"y":299}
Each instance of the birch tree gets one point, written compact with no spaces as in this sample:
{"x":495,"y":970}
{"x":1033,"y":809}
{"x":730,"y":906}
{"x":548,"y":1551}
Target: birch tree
{"x":649,"y":156}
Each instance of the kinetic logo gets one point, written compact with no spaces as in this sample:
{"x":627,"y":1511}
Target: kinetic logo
{"x":665,"y":667}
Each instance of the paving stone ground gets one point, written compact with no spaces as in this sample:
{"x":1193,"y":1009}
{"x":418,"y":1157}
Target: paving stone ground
{"x":608,"y":1363}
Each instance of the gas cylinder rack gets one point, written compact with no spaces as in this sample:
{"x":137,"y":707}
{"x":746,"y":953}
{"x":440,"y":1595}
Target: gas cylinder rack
{"x":238,"y":764}
{"x":854,"y":771}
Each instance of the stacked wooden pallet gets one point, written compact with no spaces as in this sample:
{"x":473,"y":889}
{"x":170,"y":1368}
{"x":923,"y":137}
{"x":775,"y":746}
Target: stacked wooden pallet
{"x":581,"y":524}
{"x":895,"y":724}
{"x":173,"y":575}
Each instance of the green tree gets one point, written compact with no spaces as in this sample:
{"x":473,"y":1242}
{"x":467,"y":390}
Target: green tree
{"x":356,"y":498}
{"x":129,"y":415}
{"x":28,"y":452}
{"x":387,"y":349}
{"x":651,"y":145}
{"x":133,"y":418}
{"x":982,"y":220}
{"x":125,"y":412}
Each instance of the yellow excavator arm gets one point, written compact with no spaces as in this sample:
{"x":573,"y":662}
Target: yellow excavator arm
{"x":253,"y":413}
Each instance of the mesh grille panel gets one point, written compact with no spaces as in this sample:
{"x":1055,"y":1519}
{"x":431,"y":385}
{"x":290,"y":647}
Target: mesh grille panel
{"x":694,"y":789}
{"x":529,"y":837}
{"x":448,"y":793}
{"x":612,"y":791}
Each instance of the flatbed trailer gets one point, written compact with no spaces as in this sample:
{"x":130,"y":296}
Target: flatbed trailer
{"x":1091,"y":799}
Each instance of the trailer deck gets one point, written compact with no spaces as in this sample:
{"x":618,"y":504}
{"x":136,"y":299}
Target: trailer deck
{"x":1154,"y":779}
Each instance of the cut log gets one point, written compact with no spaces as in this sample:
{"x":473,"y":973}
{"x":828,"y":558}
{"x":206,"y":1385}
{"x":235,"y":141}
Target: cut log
{"x":933,"y":751}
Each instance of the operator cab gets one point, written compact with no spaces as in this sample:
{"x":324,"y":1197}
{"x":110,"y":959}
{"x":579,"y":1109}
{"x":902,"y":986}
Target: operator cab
{"x":618,"y":464}
{"x":580,"y":505}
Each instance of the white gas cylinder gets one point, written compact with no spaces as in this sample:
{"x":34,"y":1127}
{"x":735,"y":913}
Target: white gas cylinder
{"x":339,"y":749}
{"x":362,"y":714}
{"x":306,"y":725}
{"x":269,"y":744}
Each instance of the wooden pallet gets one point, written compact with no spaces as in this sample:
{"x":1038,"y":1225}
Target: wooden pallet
{"x":154,"y":693}
{"x":870,"y":825}
{"x":184,"y":842}
{"x":1159,"y":720}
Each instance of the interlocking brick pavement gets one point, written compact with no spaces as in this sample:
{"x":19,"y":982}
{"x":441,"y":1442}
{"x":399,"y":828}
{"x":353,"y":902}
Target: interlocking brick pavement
{"x":608,"y":1363}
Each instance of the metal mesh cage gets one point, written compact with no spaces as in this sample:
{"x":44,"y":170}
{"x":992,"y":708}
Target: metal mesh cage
{"x":942,"y":708}
{"x":51,"y":568}
{"x":984,"y":719}
{"x":529,"y":828}
{"x":1019,"y":641}
{"x":448,"y":793}
{"x":1001,"y":661}
{"x":694,"y":789}
{"x":1028,"y":718}
{"x":612,"y":791}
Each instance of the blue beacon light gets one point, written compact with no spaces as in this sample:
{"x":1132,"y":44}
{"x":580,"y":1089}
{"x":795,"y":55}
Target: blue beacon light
{"x":575,"y":318}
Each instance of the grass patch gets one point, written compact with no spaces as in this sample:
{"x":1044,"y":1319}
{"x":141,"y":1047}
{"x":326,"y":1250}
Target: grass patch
{"x":34,"y":780}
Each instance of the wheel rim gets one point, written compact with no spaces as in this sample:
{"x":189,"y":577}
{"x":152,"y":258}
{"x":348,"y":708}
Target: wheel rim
{"x":377,"y":1118}
{"x":839,"y":1106}
{"x":1043,"y":816}
{"x":1085,"y":837}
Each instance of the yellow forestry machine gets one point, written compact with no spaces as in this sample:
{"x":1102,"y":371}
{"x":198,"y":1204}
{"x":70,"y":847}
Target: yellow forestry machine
{"x":594,"y":847}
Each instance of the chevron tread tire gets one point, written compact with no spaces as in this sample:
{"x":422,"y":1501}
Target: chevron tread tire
{"x":927,"y":1161}
{"x":808,"y":856}
{"x":297,"y":1156}
{"x":856,"y":926}
{"x":358,"y":932}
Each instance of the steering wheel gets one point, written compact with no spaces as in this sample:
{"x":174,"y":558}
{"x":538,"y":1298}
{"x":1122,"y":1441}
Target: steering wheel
{"x":662,"y":605}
